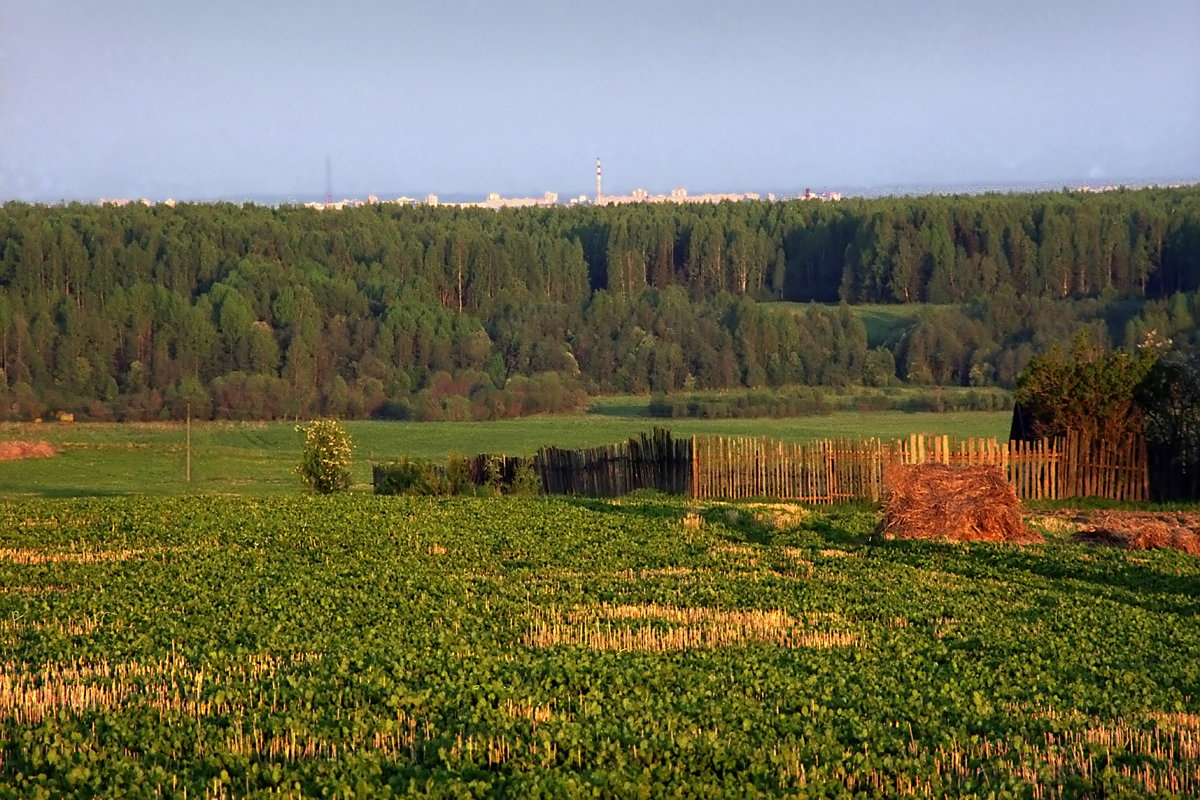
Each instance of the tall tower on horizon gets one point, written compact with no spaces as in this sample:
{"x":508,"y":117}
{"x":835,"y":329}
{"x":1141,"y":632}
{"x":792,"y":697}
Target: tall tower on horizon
{"x":328,"y":180}
{"x":599,"y":194}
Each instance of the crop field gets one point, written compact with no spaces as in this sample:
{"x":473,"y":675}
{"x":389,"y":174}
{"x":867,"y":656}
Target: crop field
{"x":361,"y":646}
{"x":256,"y":458}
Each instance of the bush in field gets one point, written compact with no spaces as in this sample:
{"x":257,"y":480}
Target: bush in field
{"x":421,"y":477}
{"x":412,"y":476}
{"x":458,"y":475}
{"x":1087,"y":389}
{"x":493,"y":475}
{"x":526,"y":482}
{"x":325,"y":460}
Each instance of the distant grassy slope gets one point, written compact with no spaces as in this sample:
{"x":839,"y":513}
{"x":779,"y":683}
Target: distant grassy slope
{"x":258,"y":458}
{"x":836,"y":398}
{"x":884,"y":323}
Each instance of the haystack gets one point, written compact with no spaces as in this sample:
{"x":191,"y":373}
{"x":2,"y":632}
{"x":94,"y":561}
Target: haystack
{"x":961,"y":504}
{"x":16,"y":450}
{"x":1145,"y":531}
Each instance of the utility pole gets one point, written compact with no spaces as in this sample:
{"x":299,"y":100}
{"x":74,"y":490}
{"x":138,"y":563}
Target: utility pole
{"x":328,"y":181}
{"x":189,"y":442}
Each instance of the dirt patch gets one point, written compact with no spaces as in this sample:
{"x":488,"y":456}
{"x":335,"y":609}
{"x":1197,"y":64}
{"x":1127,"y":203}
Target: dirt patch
{"x":961,"y":504}
{"x":17,"y":450}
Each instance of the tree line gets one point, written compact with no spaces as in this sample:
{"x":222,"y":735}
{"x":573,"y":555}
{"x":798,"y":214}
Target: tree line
{"x":138,"y":312}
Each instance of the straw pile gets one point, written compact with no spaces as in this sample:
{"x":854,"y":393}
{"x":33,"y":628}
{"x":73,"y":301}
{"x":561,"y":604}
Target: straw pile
{"x":961,"y":504}
{"x":15,"y":450}
{"x":1144,"y":531}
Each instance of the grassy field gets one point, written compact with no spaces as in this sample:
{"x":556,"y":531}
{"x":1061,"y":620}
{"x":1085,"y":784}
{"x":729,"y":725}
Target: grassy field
{"x":258,"y":458}
{"x":363,"y":646}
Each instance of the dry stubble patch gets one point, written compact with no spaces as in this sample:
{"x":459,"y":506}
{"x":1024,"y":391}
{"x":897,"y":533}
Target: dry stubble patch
{"x":30,"y":557}
{"x":649,"y":627}
{"x":1157,"y":753}
{"x":781,"y":516}
{"x":738,"y":555}
{"x":171,"y":685}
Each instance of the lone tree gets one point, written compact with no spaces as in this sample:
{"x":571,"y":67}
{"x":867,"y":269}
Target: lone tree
{"x":325,"y":460}
{"x":1087,"y":390}
{"x":1170,"y":399}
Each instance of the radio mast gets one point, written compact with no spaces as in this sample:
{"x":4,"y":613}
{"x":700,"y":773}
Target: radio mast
{"x":599,"y":194}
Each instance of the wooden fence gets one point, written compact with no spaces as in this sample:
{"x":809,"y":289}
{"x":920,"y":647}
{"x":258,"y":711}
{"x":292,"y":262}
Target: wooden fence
{"x":655,"y":461}
{"x":1114,"y":470}
{"x":1032,"y":468}
{"x":832,"y":471}
{"x":826,"y":471}
{"x":649,"y":461}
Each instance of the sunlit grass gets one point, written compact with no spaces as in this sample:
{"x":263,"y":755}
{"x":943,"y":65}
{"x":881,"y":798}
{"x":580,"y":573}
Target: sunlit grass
{"x":247,"y":458}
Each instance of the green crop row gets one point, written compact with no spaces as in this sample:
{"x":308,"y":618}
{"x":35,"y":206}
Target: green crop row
{"x":369,"y":646}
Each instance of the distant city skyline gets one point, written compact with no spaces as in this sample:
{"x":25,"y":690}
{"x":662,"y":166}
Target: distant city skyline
{"x":247,"y":100}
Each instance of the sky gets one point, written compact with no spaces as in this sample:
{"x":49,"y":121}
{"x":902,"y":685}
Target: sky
{"x":245,"y":99}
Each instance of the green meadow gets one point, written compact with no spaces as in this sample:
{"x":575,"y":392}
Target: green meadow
{"x":248,"y":458}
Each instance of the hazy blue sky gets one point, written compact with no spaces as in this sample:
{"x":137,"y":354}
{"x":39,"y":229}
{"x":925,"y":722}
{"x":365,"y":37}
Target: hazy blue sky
{"x":200,"y":99}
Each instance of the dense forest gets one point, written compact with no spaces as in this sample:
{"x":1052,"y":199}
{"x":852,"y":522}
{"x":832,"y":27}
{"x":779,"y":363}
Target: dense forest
{"x":138,"y":312}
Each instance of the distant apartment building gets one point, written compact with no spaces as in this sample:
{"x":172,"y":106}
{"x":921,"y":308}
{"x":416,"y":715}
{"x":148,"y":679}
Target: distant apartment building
{"x":677,"y":195}
{"x":495,"y":201}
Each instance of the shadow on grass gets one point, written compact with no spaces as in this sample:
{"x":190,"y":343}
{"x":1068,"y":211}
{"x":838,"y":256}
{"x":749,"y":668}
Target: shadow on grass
{"x":644,"y":505}
{"x":848,"y":524}
{"x":845,"y":527}
{"x":1156,"y":582}
{"x":1147,"y":580}
{"x":60,"y":492}
{"x":1083,"y":571}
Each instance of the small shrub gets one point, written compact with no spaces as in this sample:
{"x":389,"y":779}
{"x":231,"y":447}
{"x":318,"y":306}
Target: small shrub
{"x":325,"y":459}
{"x":418,"y":476}
{"x":395,"y":409}
{"x":411,"y":476}
{"x":493,"y":475}
{"x":458,"y":475}
{"x":661,"y":406}
{"x":871,"y":401}
{"x":925,"y":400}
{"x":525,"y":482}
